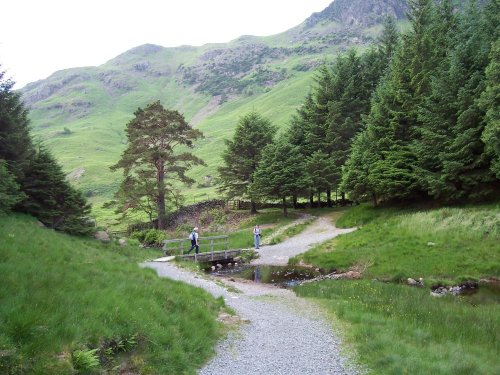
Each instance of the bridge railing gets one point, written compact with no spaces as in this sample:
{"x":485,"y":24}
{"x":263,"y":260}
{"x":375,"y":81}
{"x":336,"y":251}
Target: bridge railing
{"x":207,"y":244}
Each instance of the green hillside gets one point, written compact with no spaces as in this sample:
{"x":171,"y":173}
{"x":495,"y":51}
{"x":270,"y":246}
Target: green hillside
{"x":81,"y":113}
{"x":64,"y":296}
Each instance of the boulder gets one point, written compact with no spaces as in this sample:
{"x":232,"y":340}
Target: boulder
{"x":122,"y":242}
{"x":411,"y":282}
{"x":102,"y":235}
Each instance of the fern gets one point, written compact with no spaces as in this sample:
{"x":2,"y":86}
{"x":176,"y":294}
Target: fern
{"x":85,"y":360}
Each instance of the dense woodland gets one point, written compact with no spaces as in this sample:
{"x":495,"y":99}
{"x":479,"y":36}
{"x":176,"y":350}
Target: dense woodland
{"x":414,"y":118}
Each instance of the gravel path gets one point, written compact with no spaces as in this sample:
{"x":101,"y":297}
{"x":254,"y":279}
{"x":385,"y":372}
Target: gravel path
{"x":319,"y":231}
{"x":284,"y":334}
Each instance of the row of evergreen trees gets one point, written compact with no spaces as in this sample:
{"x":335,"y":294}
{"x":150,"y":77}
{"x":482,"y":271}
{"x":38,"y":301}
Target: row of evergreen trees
{"x":413,"y":118}
{"x":432,"y":129}
{"x":31,"y":180}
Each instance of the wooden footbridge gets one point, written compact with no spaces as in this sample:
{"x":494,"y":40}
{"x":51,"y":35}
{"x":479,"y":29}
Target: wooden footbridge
{"x":212,"y":249}
{"x":212,"y":256}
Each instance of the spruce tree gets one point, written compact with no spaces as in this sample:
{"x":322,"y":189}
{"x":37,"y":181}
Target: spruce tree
{"x":242,"y":155}
{"x":392,"y":122}
{"x":10,"y":193}
{"x":280,"y":174}
{"x":454,"y":121}
{"x":490,"y":104}
{"x":51,"y":198}
{"x":356,"y":172}
{"x":16,"y":147}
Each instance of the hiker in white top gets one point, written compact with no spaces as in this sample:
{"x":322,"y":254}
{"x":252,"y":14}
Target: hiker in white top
{"x":256,"y":236}
{"x":194,"y":241}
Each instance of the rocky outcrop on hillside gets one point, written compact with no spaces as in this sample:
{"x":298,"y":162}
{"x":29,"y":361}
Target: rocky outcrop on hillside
{"x":221,"y":71}
{"x":362,"y":13}
{"x":242,"y":69}
{"x":57,"y":83}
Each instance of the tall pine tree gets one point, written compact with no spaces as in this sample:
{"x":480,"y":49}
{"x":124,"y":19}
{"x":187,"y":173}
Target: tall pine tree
{"x":156,"y":136}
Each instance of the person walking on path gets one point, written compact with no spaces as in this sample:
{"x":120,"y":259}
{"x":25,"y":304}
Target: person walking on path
{"x":256,"y":236}
{"x":194,"y":241}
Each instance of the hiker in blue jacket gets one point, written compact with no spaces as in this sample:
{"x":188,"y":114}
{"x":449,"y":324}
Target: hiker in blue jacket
{"x":194,"y":241}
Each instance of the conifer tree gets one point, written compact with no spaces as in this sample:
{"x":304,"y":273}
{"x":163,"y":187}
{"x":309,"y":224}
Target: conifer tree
{"x":392,"y":122}
{"x":44,"y":191}
{"x":356,"y":172}
{"x":490,"y":104}
{"x":243,"y":154}
{"x":10,"y":193}
{"x":155,"y":135}
{"x":16,"y":147}
{"x":388,"y":41}
{"x":319,"y":172}
{"x":280,"y":174}
{"x":453,"y":118}
{"x":51,"y":198}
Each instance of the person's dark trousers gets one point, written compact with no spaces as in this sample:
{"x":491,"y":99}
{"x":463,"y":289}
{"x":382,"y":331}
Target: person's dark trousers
{"x":193,"y":245}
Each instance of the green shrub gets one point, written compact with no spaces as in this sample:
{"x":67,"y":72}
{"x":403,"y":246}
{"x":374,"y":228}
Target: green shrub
{"x":138,"y":235}
{"x":153,"y":237}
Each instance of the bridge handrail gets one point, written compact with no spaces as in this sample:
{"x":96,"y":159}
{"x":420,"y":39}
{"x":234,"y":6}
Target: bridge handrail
{"x":181,"y":242}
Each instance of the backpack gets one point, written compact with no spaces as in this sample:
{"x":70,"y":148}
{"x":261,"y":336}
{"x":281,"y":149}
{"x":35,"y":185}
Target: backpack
{"x":192,"y":236}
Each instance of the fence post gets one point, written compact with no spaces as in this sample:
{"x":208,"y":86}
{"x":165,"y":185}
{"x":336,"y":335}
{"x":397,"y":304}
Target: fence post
{"x":212,"y":245}
{"x":182,"y":247}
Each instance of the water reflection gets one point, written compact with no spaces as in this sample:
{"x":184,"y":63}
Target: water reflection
{"x":256,"y":274}
{"x":285,"y":276}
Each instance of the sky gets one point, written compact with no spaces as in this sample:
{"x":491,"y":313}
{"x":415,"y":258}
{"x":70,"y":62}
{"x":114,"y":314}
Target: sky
{"x":39,"y":37}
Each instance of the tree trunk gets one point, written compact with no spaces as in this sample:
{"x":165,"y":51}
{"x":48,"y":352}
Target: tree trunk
{"x":343,"y":198}
{"x":285,"y":210}
{"x":253,"y":209}
{"x":311,"y":200}
{"x":295,"y":198}
{"x":374,"y":197}
{"x":160,"y":200}
{"x":319,"y":199}
{"x":329,"y":197}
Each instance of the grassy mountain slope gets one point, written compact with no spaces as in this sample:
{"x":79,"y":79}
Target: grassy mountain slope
{"x":61,"y":294}
{"x":81,"y":113}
